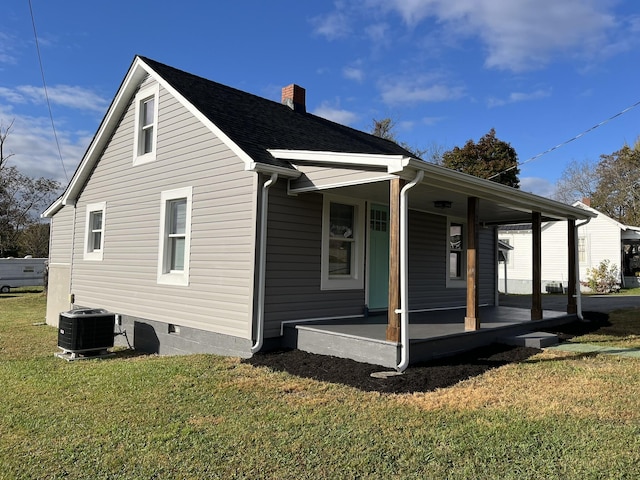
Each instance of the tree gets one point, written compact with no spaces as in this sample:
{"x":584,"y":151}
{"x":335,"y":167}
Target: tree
{"x":22,"y":198}
{"x":617,"y":193}
{"x":490,"y":158}
{"x":385,"y":128}
{"x":578,"y":180}
{"x":34,"y":240}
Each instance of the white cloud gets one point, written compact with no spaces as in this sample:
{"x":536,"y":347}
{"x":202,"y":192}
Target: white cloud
{"x":78,"y":98}
{"x":538,"y":186}
{"x":335,"y":113}
{"x":332,"y":26}
{"x":518,"y":35}
{"x":353,"y":73}
{"x":516,"y":97}
{"x":33,"y":148}
{"x":417,"y":90}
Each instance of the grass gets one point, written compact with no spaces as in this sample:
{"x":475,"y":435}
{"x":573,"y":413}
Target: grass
{"x":556,"y":415}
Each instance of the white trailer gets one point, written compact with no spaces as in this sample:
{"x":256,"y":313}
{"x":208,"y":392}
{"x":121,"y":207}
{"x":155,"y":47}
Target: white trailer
{"x":21,"y":272}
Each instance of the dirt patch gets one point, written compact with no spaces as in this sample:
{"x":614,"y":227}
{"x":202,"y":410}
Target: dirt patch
{"x":422,"y":377}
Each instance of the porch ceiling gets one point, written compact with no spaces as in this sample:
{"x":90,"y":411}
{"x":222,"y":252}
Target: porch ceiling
{"x":423,"y":196}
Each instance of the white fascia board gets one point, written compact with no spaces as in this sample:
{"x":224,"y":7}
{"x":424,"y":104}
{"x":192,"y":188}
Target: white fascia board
{"x":120,"y":102}
{"x":496,"y":192}
{"x":393,"y":163}
{"x":200,"y":116}
{"x":52,"y":209}
{"x":266,"y":168}
{"x":137,"y":72}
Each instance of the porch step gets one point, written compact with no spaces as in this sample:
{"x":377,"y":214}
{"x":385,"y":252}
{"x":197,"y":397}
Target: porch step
{"x":533,"y":340}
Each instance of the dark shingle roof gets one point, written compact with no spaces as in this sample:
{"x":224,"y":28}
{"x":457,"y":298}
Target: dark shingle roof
{"x":256,"y":124}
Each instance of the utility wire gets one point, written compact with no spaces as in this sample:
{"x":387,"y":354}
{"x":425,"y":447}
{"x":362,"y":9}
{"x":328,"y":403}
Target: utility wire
{"x":46,"y":93}
{"x":568,"y":141}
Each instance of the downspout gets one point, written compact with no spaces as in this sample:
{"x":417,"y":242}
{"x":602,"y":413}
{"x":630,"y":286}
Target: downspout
{"x":262,"y":262}
{"x":577,"y":262}
{"x":404,"y":273}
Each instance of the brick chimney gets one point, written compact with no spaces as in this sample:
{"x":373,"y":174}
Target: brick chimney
{"x":293,"y":96}
{"x":586,"y":201}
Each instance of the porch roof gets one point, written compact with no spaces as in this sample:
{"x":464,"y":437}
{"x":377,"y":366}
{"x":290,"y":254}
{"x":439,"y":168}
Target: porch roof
{"x":499,"y":204}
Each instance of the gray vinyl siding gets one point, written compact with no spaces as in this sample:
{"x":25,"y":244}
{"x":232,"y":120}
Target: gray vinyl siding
{"x":220,"y":291}
{"x":61,"y":236}
{"x":488,"y":263}
{"x":428,"y":274}
{"x":293,"y":264}
{"x":323,"y":177}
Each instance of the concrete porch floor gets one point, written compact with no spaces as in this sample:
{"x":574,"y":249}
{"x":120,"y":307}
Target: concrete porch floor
{"x":432,"y":334}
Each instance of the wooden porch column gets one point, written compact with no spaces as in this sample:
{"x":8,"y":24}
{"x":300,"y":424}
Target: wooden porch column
{"x":572,"y":307}
{"x":536,"y":293}
{"x":472,"y":320}
{"x":393,"y":322}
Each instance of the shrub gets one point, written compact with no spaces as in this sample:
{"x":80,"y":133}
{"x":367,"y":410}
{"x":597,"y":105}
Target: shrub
{"x":604,"y":278}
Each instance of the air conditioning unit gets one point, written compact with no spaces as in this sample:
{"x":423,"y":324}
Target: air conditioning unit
{"x":85,"y":333}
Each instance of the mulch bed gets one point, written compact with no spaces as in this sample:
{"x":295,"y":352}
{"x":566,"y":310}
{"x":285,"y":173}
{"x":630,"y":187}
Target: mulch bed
{"x":423,"y":377}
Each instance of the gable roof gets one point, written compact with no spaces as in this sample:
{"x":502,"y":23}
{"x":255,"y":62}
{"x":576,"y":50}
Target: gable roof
{"x":273,"y":138}
{"x":256,"y":124}
{"x":249,"y":125}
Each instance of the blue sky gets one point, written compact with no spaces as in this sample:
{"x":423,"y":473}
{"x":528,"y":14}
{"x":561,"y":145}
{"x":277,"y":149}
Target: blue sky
{"x":538,"y":71}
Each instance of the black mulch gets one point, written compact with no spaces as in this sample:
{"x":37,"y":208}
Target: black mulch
{"x":422,"y":377}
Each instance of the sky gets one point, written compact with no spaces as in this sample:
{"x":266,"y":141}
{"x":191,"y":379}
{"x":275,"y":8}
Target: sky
{"x":540,"y":72}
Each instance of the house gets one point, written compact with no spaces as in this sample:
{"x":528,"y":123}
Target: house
{"x":601,"y":238}
{"x":212,"y":220}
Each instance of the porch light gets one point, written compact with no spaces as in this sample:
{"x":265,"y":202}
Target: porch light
{"x":442,"y":204}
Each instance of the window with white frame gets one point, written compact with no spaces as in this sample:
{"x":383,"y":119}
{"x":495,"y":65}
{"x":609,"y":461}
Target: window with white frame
{"x":146,"y":121}
{"x":342,"y":244}
{"x":582,"y":249}
{"x":456,"y":255}
{"x":175,"y":237}
{"x":94,"y":231}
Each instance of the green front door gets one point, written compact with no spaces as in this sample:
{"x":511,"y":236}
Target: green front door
{"x":379,"y":257}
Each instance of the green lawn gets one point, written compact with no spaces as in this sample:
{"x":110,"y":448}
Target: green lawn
{"x":554,"y":416}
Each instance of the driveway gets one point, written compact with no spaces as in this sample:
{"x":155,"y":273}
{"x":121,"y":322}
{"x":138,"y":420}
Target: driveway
{"x":590,"y":303}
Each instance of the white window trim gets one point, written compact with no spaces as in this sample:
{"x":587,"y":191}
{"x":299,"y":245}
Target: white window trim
{"x":89,"y":252}
{"x":165,"y":277}
{"x":356,"y":281}
{"x":457,"y":282}
{"x":141,"y":96}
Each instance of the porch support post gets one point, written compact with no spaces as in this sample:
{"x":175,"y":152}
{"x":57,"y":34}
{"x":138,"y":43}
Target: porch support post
{"x":393,"y":322}
{"x":536,"y":293}
{"x":472,"y":320}
{"x":572,"y":307}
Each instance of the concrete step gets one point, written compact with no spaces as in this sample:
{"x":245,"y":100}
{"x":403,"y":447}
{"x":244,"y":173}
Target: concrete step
{"x":532,"y":339}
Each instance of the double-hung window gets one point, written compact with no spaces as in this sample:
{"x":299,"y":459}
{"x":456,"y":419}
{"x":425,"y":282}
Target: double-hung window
{"x":175,"y":237}
{"x":94,"y":231}
{"x":342,"y":244}
{"x":456,"y":255}
{"x":146,"y":121}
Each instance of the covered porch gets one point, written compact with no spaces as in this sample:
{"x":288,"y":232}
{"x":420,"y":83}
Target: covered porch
{"x":432,"y":334}
{"x":440,"y":255}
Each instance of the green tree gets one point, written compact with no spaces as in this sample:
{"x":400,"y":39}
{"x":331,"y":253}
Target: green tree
{"x":490,"y":158}
{"x":617,"y":193}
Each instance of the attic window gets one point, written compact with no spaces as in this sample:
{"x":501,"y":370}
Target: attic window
{"x":146,"y":125}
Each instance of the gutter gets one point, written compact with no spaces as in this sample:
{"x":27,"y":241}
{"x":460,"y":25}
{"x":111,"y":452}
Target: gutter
{"x":404,"y":273}
{"x":577,"y":262}
{"x":262,"y":262}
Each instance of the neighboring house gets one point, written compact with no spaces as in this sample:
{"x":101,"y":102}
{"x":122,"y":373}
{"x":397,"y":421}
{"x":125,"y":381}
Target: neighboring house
{"x":209,"y":219}
{"x":602,"y":238}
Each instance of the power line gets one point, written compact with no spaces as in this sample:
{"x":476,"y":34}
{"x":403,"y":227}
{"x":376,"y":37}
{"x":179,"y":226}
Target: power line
{"x":622,"y":112}
{"x":46,"y":93}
